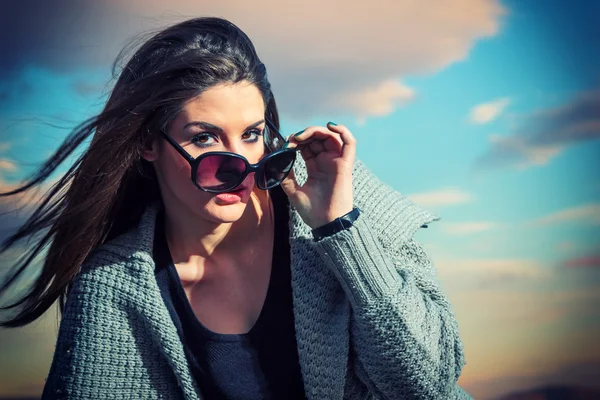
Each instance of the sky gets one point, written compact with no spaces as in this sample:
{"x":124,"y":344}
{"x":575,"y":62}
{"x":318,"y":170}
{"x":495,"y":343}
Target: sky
{"x":485,"y":112}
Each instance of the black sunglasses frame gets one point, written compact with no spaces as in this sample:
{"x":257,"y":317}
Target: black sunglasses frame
{"x":250,"y":168}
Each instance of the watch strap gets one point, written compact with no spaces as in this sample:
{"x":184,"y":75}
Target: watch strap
{"x":339,"y":224}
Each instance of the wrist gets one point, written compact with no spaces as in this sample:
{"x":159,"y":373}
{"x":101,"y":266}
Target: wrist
{"x":329,"y":218}
{"x":336,"y":225}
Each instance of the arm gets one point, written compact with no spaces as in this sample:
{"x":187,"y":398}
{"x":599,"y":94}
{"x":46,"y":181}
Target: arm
{"x":72,"y":373}
{"x":103,"y":348}
{"x":403,"y":330}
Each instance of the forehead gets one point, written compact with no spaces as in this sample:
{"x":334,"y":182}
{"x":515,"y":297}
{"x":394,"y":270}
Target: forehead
{"x":224,"y":104}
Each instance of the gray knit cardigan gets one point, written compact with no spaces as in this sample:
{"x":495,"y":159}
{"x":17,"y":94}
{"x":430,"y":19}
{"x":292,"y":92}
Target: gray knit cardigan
{"x":371,"y":319}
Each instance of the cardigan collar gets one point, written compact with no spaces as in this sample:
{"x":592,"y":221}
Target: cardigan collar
{"x":321,"y":308}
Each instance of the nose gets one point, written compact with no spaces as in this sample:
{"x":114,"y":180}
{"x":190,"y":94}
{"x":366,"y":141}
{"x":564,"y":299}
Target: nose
{"x":234,"y":147}
{"x":238,"y":148}
{"x":242,"y":149}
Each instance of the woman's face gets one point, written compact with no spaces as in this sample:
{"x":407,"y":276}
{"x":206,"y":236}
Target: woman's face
{"x":227,"y":117}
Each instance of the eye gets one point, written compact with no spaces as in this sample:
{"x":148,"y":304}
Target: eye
{"x":252,"y":135}
{"x":203,"y":139}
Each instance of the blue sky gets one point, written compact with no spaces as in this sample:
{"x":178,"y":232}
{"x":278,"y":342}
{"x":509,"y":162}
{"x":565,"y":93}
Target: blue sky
{"x":507,"y":232}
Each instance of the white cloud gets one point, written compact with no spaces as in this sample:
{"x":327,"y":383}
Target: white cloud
{"x":442,"y":197}
{"x":468,"y":228}
{"x":589,"y":213}
{"x":487,"y":112}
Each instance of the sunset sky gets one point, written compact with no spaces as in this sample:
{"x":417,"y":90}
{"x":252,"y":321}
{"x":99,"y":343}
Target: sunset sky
{"x":485,"y":112}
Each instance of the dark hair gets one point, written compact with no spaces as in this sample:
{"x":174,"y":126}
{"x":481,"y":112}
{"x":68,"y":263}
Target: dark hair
{"x":106,"y":190}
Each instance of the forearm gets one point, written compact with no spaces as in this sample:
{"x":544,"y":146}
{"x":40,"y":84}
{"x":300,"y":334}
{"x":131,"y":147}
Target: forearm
{"x":403,"y":329}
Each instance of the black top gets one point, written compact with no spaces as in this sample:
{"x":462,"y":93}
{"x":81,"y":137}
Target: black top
{"x":260,"y":364}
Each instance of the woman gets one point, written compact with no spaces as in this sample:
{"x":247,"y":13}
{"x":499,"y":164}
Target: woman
{"x":195,"y":256}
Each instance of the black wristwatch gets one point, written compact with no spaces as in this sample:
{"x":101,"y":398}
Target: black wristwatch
{"x":337,"y":225}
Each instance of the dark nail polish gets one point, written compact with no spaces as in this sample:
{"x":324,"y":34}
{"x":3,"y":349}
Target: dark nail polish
{"x":299,"y":133}
{"x":332,"y":123}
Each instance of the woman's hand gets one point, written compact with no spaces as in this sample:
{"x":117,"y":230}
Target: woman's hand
{"x":329,"y":156}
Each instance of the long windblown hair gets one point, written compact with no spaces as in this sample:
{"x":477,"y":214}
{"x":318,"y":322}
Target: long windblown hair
{"x":105,"y":191}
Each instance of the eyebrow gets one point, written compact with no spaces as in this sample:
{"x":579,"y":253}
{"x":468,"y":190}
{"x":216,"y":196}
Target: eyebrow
{"x":209,"y":126}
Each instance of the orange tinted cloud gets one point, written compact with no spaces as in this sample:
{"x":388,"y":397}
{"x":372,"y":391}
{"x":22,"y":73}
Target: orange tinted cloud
{"x":442,"y":197}
{"x":333,"y":57}
{"x":487,"y":112}
{"x":543,"y":135}
{"x":7,"y":165}
{"x":468,"y":228}
{"x":316,"y":51}
{"x":587,"y":213}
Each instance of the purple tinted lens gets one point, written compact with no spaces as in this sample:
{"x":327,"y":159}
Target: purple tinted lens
{"x":275,"y":169}
{"x":220,"y":172}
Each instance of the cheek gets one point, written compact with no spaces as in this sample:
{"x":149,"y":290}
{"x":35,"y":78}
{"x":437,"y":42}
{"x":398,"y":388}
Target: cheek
{"x":176,"y":177}
{"x":179,"y":172}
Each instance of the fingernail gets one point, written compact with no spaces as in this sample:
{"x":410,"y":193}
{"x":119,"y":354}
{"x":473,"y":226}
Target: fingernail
{"x":299,"y":133}
{"x":286,"y":145}
{"x":332,"y":123}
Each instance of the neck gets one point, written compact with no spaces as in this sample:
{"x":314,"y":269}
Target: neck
{"x":206,"y":240}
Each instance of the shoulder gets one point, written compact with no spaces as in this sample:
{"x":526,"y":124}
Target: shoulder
{"x":104,"y":280}
{"x":106,"y":310}
{"x":118,"y":268}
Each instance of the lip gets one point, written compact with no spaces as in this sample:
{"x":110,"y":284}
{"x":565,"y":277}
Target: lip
{"x":233,"y":196}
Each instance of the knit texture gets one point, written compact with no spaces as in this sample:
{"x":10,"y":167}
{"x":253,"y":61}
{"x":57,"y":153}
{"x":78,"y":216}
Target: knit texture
{"x":371,"y":319}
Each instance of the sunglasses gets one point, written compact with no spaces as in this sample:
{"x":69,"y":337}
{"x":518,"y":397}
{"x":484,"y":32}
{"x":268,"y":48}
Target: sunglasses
{"x":221,"y":171}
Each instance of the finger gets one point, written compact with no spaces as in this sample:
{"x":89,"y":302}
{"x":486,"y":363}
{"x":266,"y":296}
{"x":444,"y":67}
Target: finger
{"x":334,"y":144}
{"x":303,"y":147}
{"x":330,"y":140}
{"x":348,"y":140}
{"x":312,"y":133}
{"x":307,"y":152}
{"x":317,"y":146}
{"x":290,"y":144}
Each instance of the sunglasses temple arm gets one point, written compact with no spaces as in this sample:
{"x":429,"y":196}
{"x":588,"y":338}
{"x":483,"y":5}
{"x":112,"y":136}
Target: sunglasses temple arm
{"x":272,"y":126}
{"x":177,"y":147}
